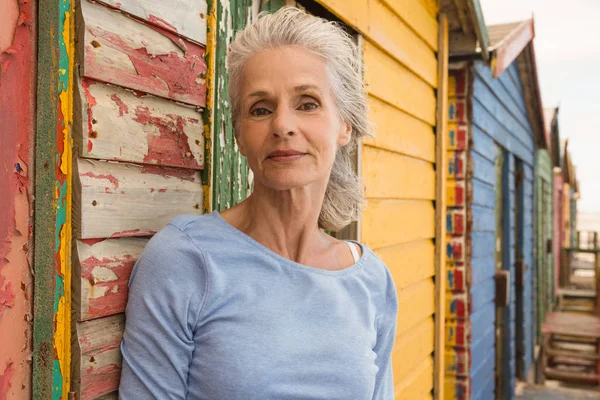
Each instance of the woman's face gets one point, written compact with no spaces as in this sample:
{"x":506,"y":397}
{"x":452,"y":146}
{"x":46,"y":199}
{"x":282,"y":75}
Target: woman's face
{"x":289,"y":127}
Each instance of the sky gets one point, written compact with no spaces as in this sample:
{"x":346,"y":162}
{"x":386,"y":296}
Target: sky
{"x":567,"y":46}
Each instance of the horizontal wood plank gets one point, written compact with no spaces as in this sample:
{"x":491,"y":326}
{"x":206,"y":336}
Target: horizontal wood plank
{"x":400,"y":132}
{"x":418,"y":384}
{"x":377,"y":22}
{"x":412,"y":348}
{"x":185,"y":17}
{"x":409,"y":262}
{"x":117,"y":124}
{"x":102,"y":271}
{"x":97,"y":359}
{"x":392,"y":222}
{"x":391,"y":175}
{"x":416,"y":303}
{"x":394,"y":36}
{"x":119,"y":50}
{"x":395,"y":84}
{"x":120,"y":200}
{"x":416,"y":15}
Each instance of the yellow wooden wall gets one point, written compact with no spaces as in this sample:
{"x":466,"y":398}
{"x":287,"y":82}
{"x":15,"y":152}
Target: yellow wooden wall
{"x":398,"y":168}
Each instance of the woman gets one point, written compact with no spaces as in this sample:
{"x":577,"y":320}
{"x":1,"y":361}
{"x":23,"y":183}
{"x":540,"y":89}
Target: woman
{"x":258,"y":302}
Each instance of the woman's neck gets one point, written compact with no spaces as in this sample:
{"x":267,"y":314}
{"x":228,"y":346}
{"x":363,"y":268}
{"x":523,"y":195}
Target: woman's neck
{"x":285,"y":221}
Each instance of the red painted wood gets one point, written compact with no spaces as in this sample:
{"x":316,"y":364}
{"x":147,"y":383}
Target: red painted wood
{"x":119,"y":125}
{"x":170,"y":75}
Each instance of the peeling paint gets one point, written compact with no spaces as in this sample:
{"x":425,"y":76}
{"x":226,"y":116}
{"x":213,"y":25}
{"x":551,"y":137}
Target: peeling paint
{"x":17,"y":86}
{"x":62,"y":294}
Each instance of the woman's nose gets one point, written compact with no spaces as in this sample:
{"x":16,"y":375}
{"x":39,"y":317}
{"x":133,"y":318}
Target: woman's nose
{"x":284,"y":123}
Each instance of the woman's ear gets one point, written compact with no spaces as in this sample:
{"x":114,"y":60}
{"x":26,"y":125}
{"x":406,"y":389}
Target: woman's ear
{"x":345,"y":133}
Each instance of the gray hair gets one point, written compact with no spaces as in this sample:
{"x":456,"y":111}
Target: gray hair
{"x":344,"y":198}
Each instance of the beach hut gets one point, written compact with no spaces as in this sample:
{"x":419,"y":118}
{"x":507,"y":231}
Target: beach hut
{"x":496,"y":127}
{"x":133,"y":128}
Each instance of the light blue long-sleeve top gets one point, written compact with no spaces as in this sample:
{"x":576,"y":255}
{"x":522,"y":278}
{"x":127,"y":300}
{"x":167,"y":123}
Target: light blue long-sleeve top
{"x":214,"y":315}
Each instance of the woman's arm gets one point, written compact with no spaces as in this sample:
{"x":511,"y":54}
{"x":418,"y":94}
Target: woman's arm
{"x":384,"y":382}
{"x":166,"y":293}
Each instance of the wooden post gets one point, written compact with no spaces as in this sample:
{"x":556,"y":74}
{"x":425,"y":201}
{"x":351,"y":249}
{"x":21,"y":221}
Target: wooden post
{"x":595,"y":246}
{"x":578,"y":239}
{"x":440,"y":207}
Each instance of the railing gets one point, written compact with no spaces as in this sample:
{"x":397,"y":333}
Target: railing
{"x":587,"y":240}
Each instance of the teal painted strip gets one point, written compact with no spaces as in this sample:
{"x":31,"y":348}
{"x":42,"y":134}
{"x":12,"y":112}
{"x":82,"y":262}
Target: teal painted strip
{"x":45,"y":205}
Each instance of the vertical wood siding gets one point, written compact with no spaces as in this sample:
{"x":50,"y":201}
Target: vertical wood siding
{"x":398,"y":169}
{"x":139,"y":138}
{"x":232,"y":179}
{"x":500,"y":115}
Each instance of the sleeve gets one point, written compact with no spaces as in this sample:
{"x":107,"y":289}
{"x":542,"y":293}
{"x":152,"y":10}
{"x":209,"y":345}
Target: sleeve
{"x":386,"y":333}
{"x":166,"y":292}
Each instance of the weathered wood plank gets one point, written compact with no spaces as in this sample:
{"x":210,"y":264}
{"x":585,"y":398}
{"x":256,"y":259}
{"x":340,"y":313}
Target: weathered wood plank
{"x":188,"y":18}
{"x":386,"y":78}
{"x":120,"y":200}
{"x":394,"y":176}
{"x":117,"y":124}
{"x":400,"y":132}
{"x":102,"y":271}
{"x":119,"y":50}
{"x":97,"y":357}
{"x":391,"y":222}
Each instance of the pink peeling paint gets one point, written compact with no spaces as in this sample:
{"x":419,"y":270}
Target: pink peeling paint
{"x":168,"y":75}
{"x":161,"y":22}
{"x":171,"y":147}
{"x":114,"y":299}
{"x":123,"y":109}
{"x":17,"y":98}
{"x":5,"y":378}
{"x":110,"y":178}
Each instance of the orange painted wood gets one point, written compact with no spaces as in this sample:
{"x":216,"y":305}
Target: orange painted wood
{"x":117,"y":124}
{"x":102,"y":270}
{"x":131,"y":54}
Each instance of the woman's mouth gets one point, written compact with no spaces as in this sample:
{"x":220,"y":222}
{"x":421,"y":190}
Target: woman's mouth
{"x":285,"y":155}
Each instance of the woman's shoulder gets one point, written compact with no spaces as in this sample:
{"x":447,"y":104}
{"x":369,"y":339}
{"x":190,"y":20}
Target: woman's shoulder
{"x":380,"y":272}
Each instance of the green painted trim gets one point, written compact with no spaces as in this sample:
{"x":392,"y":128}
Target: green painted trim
{"x":231,"y":183}
{"x":45,"y":204}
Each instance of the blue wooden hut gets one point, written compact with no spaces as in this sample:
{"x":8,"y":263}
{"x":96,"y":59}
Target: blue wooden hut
{"x":498,"y":115}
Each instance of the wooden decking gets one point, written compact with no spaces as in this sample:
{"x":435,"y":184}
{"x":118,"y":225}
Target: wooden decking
{"x":571,"y":347}
{"x":556,"y":393}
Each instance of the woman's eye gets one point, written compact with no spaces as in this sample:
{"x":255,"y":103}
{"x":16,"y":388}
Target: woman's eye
{"x":259,"y":112}
{"x":309,"y":105}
